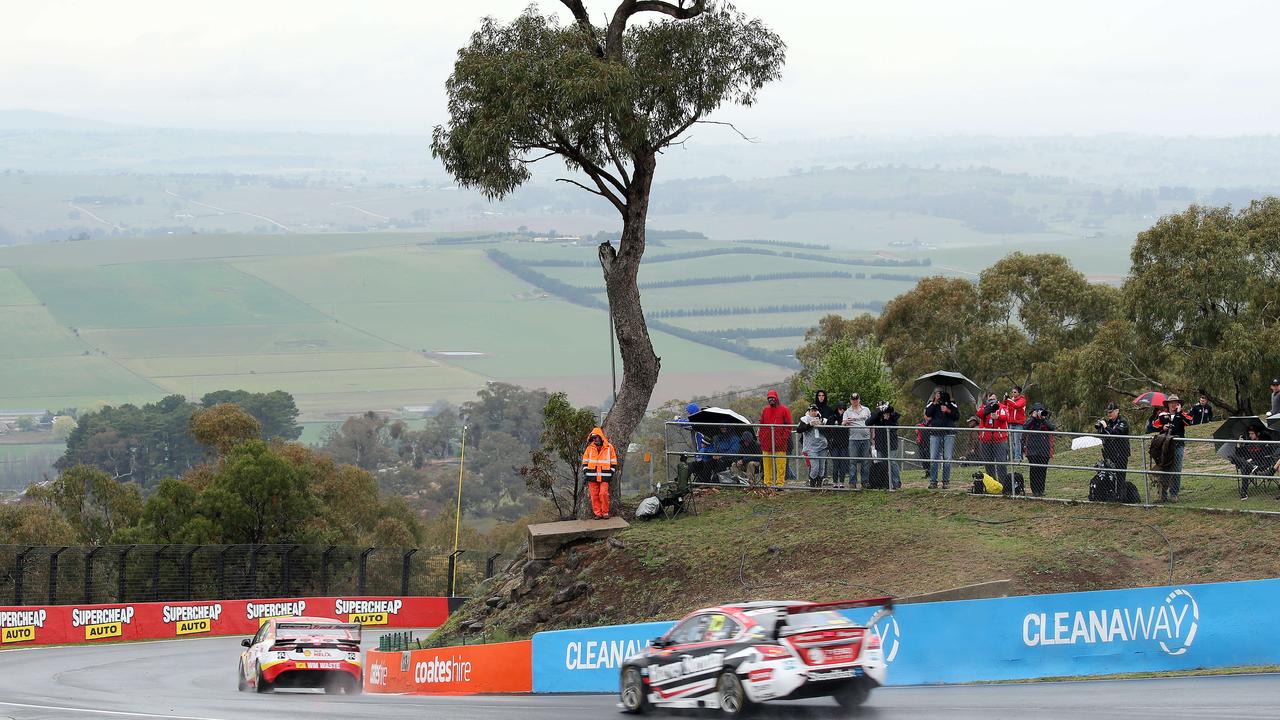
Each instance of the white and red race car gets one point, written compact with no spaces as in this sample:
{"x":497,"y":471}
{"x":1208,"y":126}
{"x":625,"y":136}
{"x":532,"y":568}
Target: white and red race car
{"x":302,"y":652}
{"x":734,"y":656}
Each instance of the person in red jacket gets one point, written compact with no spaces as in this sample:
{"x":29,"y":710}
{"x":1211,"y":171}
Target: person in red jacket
{"x":993,"y":439}
{"x":1015,"y":403}
{"x":774,"y":440}
{"x":599,"y":463}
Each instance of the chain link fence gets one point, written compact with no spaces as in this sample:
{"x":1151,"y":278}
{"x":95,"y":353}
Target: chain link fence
{"x":37,"y":575}
{"x":1065,"y":465}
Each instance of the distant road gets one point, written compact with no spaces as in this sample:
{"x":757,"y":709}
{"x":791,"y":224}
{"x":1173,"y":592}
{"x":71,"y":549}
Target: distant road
{"x":91,"y":214}
{"x":195,"y":680}
{"x":278,"y":224}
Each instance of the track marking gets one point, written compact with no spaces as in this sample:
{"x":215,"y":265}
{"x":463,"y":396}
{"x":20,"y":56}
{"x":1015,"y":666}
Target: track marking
{"x":116,"y":713}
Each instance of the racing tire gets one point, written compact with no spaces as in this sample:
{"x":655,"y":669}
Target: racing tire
{"x":262,"y":685}
{"x":853,"y":695}
{"x":632,"y":695}
{"x":241,"y":683}
{"x":355,"y":686}
{"x":732,"y":696}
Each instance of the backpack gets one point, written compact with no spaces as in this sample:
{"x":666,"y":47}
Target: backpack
{"x":984,"y":484}
{"x":1130,"y":494}
{"x":1103,"y":484}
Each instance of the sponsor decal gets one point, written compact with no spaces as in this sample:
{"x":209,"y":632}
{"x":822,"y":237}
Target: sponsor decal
{"x":442,"y":670}
{"x":191,"y":619}
{"x":887,"y":637}
{"x":21,"y":625}
{"x":378,"y":673}
{"x":263,"y":612}
{"x":600,"y":654}
{"x":318,"y":665}
{"x":367,"y":612}
{"x":687,"y":666}
{"x":1171,"y":625}
{"x":100,"y":623}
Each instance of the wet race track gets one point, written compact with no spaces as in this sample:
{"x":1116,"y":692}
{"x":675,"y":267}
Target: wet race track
{"x":196,"y":679}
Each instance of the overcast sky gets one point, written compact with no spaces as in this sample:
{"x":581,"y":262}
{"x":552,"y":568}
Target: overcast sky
{"x":909,"y":67}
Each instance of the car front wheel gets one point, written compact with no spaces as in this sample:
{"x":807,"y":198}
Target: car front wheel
{"x":632,"y":694}
{"x":241,"y":683}
{"x":732,"y":695}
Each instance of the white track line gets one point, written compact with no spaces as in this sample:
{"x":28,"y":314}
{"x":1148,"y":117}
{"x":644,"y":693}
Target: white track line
{"x":115,"y":713}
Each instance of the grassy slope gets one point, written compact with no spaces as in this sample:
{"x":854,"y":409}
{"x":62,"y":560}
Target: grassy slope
{"x":828,"y":546}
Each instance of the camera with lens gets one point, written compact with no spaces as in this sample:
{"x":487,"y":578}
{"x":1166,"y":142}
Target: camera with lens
{"x":1101,"y":425}
{"x":991,"y":407}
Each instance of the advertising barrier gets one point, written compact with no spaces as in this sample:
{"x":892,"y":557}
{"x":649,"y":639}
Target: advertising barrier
{"x":467,"y":670}
{"x":57,"y":624}
{"x":1070,"y":634}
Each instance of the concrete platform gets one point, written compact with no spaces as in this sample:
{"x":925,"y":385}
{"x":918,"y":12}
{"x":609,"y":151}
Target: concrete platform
{"x":547,"y":538}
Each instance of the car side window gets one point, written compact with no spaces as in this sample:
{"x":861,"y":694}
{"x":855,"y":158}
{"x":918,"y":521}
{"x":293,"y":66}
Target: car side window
{"x":690,"y":631}
{"x":262,"y":633}
{"x":721,"y":627}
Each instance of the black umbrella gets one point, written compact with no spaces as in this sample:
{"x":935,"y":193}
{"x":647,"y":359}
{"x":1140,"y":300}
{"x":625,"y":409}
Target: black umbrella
{"x":962,"y":389}
{"x":718,"y":416}
{"x":1234,"y":427}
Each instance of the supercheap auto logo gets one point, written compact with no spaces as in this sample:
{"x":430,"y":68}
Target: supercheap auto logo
{"x":191,"y":619}
{"x":1172,"y":625}
{"x":263,"y":612}
{"x":21,"y":625}
{"x":367,"y":612}
{"x":100,"y":623}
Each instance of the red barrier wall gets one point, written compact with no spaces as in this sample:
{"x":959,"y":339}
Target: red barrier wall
{"x":467,"y":670}
{"x":51,"y":624}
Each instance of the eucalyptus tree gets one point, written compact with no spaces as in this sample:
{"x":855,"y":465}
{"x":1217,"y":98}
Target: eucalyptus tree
{"x":605,"y":99}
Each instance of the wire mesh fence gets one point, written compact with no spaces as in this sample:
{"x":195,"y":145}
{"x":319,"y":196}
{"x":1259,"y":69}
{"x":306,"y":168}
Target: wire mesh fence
{"x":36,"y":575}
{"x":1228,"y":471}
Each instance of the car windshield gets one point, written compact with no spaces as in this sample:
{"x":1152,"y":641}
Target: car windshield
{"x":293,"y":631}
{"x":767,"y":619}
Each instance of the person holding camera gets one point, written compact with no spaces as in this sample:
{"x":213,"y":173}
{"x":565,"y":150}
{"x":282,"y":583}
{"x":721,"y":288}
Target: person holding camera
{"x":1015,"y":404}
{"x":813,"y":444}
{"x":1038,"y":446}
{"x":993,"y":440}
{"x":943,"y":415}
{"x":1174,"y":422}
{"x":1115,"y":447}
{"x":885,"y":439}
{"x":855,"y":418}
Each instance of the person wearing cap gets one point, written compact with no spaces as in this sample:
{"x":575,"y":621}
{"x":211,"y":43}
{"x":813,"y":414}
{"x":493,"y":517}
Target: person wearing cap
{"x":943,"y":415}
{"x":885,"y":439}
{"x":1015,"y":404}
{"x":774,"y":438}
{"x":1038,"y":446}
{"x":855,"y":418}
{"x":1275,"y":397}
{"x":1201,"y":412}
{"x":993,"y":440}
{"x":1174,"y":421}
{"x":1115,"y":446}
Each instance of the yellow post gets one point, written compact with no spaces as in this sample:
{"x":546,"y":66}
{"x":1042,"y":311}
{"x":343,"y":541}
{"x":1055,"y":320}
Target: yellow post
{"x":457,"y":516}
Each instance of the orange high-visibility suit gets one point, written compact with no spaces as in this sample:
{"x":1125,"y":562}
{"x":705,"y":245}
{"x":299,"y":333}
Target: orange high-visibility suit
{"x":599,"y":462}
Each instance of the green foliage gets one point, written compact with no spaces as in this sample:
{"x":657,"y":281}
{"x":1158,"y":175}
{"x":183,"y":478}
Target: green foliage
{"x":224,"y":426}
{"x":554,"y":468}
{"x":275,"y":410}
{"x":93,"y":504}
{"x":847,"y":368}
{"x":361,"y":440}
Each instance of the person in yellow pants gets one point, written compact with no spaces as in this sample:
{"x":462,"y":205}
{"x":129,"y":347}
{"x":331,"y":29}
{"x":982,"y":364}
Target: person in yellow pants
{"x":774,"y":437}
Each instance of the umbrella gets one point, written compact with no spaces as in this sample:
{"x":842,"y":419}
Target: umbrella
{"x":717,"y":416}
{"x":1273,"y":422}
{"x":962,"y":389}
{"x":1233,"y":427}
{"x":1085,"y":442}
{"x":1149,"y":399}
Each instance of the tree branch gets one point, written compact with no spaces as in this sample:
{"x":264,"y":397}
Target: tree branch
{"x":602,"y":192}
{"x":627,"y":8}
{"x":564,"y":147}
{"x":675,"y":10}
{"x":584,"y":21}
{"x":729,"y":125}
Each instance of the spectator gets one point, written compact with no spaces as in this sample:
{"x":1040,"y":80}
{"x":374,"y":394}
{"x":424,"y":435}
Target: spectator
{"x":1115,"y":447}
{"x":838,"y":446}
{"x":1201,"y":412}
{"x":599,"y":462}
{"x":885,"y":439}
{"x":813,"y":444}
{"x":855,"y":418}
{"x":747,"y":466}
{"x":774,"y":439}
{"x":1038,"y":444}
{"x":830,"y":425}
{"x":1015,"y":404}
{"x":993,"y":441}
{"x":922,"y":445}
{"x":723,"y":447}
{"x":1162,"y":454}
{"x":942,"y":414}
{"x":1252,"y":457}
{"x":1175,"y":422}
{"x":1275,"y":397}
{"x":1151,"y":419}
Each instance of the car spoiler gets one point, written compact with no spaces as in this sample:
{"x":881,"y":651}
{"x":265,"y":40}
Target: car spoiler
{"x":353,"y":627}
{"x":884,"y":603}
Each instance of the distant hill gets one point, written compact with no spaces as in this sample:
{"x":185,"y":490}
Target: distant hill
{"x":36,"y":120}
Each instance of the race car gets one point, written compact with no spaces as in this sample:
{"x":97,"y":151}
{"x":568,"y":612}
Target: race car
{"x":302,"y":652}
{"x":734,"y":656}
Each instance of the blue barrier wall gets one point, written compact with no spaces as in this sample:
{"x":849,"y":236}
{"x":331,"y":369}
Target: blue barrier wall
{"x":1088,"y":633}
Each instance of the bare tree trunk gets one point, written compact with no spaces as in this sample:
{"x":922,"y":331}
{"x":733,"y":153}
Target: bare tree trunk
{"x":640,"y":365}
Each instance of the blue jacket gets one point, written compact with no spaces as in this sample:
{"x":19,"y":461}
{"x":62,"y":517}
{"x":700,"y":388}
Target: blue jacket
{"x":724,"y":443}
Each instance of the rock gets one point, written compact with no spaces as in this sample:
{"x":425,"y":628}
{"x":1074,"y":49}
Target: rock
{"x":535,"y":568}
{"x":546,"y":539}
{"x":775,"y":549}
{"x":476,"y":626}
{"x":494,"y":601}
{"x":571,"y":593}
{"x":464,"y":626}
{"x":541,"y":616}
{"x":615,"y":542}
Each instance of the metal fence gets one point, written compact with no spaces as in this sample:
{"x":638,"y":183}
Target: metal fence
{"x":37,"y":575}
{"x":1207,"y":469}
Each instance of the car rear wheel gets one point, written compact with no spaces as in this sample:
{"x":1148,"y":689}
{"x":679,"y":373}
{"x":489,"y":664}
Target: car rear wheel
{"x":853,"y":694}
{"x":262,"y":685}
{"x":633,"y":694}
{"x":732,"y":695}
{"x":241,"y":683}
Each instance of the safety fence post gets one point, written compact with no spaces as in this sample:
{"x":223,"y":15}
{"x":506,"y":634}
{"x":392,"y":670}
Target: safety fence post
{"x":453,"y":562}
{"x":122,"y":565}
{"x":53,"y":575}
{"x":488,"y":565}
{"x":286,"y":559}
{"x":324,"y":569}
{"x":155,"y":573}
{"x":186,"y":571}
{"x":364,"y":567}
{"x":88,"y":573}
{"x":404,"y":571}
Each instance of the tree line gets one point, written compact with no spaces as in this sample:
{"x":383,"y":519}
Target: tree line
{"x":745,"y":310}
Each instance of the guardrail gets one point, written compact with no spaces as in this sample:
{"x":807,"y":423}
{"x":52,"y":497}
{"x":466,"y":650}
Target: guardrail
{"x":917,"y":456}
